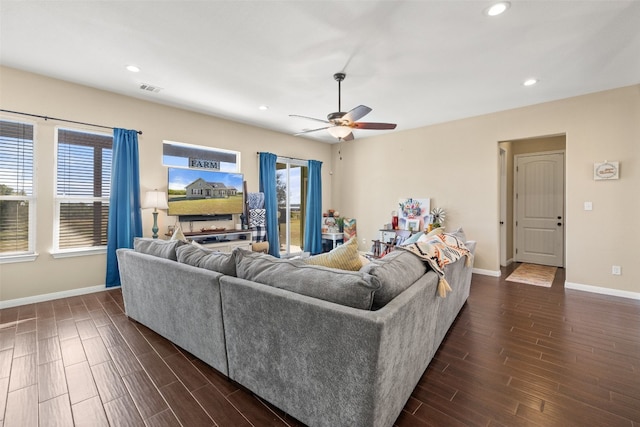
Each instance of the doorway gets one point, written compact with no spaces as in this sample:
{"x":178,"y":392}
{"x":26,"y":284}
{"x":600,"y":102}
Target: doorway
{"x":291,"y":190}
{"x":516,"y":245}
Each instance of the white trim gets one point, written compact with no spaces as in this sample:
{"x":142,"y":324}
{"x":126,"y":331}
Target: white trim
{"x":493,"y":273}
{"x":55,"y":295}
{"x":8,"y":259}
{"x":70,"y":253}
{"x":601,"y":290}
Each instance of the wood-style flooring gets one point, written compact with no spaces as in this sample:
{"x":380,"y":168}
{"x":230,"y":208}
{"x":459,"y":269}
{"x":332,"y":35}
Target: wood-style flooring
{"x":517,"y":355}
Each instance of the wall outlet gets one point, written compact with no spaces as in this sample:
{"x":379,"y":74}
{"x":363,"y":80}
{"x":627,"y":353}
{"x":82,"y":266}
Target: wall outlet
{"x":364,"y":241}
{"x":588,"y":206}
{"x":616,"y":270}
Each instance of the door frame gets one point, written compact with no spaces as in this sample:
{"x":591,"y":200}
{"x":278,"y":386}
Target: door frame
{"x":564,"y":199}
{"x":503,"y":223}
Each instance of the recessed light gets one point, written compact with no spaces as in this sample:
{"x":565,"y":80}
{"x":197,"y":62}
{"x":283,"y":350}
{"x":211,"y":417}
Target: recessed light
{"x":497,"y":8}
{"x":530,"y":82}
{"x":133,"y":68}
{"x":263,"y":107}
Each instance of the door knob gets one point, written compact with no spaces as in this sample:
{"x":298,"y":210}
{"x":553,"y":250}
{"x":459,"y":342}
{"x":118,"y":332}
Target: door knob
{"x":559,"y":217}
{"x":559,"y":224}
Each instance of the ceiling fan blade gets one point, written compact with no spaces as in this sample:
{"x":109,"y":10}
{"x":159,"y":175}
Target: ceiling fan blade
{"x":308,"y":118}
{"x":377,"y":126}
{"x":348,"y":137}
{"x":311,"y":130}
{"x":357,"y":113}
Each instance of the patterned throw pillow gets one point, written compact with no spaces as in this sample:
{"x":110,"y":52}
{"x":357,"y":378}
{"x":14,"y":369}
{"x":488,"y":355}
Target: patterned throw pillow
{"x":344,"y":257}
{"x":257,"y":217}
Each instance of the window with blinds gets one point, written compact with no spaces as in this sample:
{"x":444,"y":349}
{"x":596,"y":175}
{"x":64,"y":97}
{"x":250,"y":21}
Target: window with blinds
{"x":17,"y":199}
{"x":83,"y":183}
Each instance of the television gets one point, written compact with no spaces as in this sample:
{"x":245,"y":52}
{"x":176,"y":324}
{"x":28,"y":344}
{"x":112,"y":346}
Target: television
{"x":201,"y":192}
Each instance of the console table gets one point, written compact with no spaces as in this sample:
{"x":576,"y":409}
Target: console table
{"x":334,"y":237}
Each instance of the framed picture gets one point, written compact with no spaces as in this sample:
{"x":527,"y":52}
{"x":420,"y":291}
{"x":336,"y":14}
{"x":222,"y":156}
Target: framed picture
{"x":606,"y":170}
{"x":411,"y":208}
{"x":413,"y":224}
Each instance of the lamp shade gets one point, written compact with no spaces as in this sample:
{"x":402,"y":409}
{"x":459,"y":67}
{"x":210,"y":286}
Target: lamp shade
{"x":155,"y":199}
{"x":339,"y":131}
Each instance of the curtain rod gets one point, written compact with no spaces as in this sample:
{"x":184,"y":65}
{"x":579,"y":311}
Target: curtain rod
{"x":63,"y":120}
{"x":286,"y":157}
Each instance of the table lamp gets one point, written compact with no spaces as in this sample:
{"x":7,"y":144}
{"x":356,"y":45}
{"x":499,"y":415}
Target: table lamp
{"x":157,"y":200}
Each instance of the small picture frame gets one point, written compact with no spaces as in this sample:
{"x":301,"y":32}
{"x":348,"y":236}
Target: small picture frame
{"x":606,"y":170}
{"x":412,"y":224}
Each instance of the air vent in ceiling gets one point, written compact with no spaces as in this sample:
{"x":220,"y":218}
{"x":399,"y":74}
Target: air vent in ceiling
{"x":150,"y":88}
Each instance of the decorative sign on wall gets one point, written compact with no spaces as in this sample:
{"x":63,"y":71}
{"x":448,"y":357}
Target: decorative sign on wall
{"x":606,"y":170}
{"x":204,"y":164}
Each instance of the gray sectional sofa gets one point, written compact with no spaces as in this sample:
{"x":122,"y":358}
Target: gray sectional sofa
{"x":277,"y":327}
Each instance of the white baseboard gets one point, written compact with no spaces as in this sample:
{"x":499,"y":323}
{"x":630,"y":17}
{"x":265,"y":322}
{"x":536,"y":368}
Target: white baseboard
{"x":600,"y":290}
{"x":55,"y":295}
{"x":493,"y":273}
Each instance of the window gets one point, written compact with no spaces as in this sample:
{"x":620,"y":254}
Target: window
{"x":199,"y":157}
{"x":291,"y":189}
{"x":17,"y":198}
{"x":83,"y":183}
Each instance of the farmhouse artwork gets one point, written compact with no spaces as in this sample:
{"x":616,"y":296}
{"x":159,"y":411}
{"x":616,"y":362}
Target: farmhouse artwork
{"x":201,"y":189}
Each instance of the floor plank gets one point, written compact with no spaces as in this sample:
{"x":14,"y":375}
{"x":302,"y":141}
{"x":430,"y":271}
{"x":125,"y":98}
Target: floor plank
{"x":517,"y":355}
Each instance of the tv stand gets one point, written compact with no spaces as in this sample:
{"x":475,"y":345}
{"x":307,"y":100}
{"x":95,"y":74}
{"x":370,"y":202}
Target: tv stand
{"x":223,"y":241}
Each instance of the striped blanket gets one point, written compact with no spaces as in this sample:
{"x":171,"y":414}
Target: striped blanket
{"x":439,"y":251}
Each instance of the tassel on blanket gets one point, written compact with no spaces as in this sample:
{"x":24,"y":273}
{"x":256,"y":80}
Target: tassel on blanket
{"x":443,"y":287}
{"x":467,"y":262}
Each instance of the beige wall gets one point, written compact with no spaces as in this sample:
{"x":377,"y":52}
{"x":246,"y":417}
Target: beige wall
{"x":456,"y":164}
{"x":30,"y":93}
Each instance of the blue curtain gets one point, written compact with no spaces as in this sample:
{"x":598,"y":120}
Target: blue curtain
{"x":125,"y":221}
{"x":268,"y":187}
{"x":313,"y":219}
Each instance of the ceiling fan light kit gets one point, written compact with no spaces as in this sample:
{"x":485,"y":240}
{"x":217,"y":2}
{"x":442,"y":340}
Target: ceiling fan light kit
{"x":339,"y":131}
{"x":339,"y":124}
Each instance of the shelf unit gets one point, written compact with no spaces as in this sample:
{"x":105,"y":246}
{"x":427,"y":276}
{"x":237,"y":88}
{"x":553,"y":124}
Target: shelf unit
{"x":223,"y":241}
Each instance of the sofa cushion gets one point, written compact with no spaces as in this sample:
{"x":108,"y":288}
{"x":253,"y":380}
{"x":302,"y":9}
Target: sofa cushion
{"x":343,"y":257}
{"x":350,"y":288}
{"x":160,"y":248}
{"x":395,"y":272}
{"x":197,"y":256}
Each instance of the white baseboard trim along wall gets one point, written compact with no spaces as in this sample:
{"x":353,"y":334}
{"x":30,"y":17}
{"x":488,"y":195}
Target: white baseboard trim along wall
{"x":493,"y":273}
{"x":603,"y":291}
{"x":55,"y":295}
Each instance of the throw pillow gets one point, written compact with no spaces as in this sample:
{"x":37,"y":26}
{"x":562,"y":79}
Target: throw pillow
{"x":343,"y":257}
{"x":349,"y":288}
{"x":414,"y":238}
{"x":156,"y":247}
{"x":178,"y":234}
{"x":395,"y":272}
{"x":257,"y":217}
{"x":427,"y":236}
{"x":459,"y":233}
{"x":197,"y":256}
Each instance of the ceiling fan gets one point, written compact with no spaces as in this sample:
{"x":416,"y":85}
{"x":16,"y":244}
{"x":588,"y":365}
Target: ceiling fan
{"x":340,"y":124}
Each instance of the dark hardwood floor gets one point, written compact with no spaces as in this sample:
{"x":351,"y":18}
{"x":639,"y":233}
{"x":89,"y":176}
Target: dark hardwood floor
{"x":517,"y":355}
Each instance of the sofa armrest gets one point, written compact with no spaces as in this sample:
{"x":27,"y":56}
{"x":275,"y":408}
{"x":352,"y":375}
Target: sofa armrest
{"x":327,"y":364}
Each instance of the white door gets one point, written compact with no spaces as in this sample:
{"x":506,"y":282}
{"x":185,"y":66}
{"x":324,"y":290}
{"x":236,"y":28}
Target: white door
{"x":540,"y":209}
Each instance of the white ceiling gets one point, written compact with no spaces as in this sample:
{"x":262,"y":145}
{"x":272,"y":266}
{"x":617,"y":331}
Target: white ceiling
{"x":415,"y":63}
